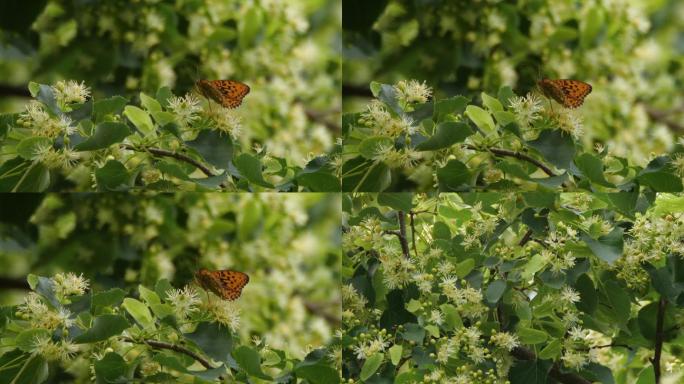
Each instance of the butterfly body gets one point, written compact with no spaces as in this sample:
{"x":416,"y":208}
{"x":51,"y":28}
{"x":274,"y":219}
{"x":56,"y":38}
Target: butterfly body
{"x":226,"y":284}
{"x":228,"y":93}
{"x":569,"y":93}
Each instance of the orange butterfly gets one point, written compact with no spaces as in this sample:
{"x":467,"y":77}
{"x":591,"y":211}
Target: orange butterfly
{"x":228,"y":93}
{"x":569,"y":93}
{"x":224,"y":283}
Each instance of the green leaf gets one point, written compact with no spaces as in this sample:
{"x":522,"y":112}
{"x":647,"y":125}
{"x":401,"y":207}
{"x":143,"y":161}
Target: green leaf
{"x":248,"y":359}
{"x":106,"y":134}
{"x":320,"y":181}
{"x":492,"y":104}
{"x":398,"y":201}
{"x":387,"y":94}
{"x":592,"y":167}
{"x":531,"y":336}
{"x":250,"y":168}
{"x":113,"y":176}
{"x":658,"y":175}
{"x":504,"y":117}
{"x":150,"y":104}
{"x":23,"y":369}
{"x":447,"y":134}
{"x":551,"y":351}
{"x":648,"y":322}
{"x":140,"y":119}
{"x":588,"y":294}
{"x":371,"y":365}
{"x":540,"y":199}
{"x":463,"y":268}
{"x":103,"y":328}
{"x":318,"y":374}
{"x":661,"y":181}
{"x":495,"y":290}
{"x":139,"y":312}
{"x":47,"y":97}
{"x":451,"y":106}
{"x":369,"y":147}
{"x":505,"y":95}
{"x":166,"y":120}
{"x":215,"y":340}
{"x":646,"y":376}
{"x":395,"y":353}
{"x":111,"y":368}
{"x":18,"y":175}
{"x":556,"y":148}
{"x":451,"y":317}
{"x":110,"y":298}
{"x":454,"y":176}
{"x":607,"y":248}
{"x":29,"y":146}
{"x":481,"y":118}
{"x":214,"y":148}
{"x":112,"y":106}
{"x":163,"y":95}
{"x":414,"y":332}
{"x":617,"y":302}
{"x":530,"y":372}
{"x":26,"y":340}
{"x":148,"y":295}
{"x":375,"y":176}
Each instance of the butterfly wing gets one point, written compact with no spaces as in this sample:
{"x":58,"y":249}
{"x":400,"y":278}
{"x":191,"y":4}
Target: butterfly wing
{"x":569,"y":93}
{"x":208,"y":90}
{"x":232,"y":283}
{"x":226,"y":284}
{"x":228,"y":93}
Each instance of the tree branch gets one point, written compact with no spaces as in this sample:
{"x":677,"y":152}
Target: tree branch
{"x":178,"y":156}
{"x":525,"y":238}
{"x":402,"y":234}
{"x":662,"y":305}
{"x":173,"y":347}
{"x":317,"y":117}
{"x":662,"y":117}
{"x":12,"y":90}
{"x":354,"y":90}
{"x":565,"y":378}
{"x":413,"y":233}
{"x":10,"y":283}
{"x":517,"y":155}
{"x":318,"y":310}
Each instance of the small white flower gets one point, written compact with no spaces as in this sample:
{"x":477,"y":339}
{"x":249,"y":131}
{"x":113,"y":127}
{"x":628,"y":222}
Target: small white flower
{"x":184,"y":301}
{"x":527,"y":109}
{"x":65,"y":125}
{"x":437,"y":317}
{"x":412,"y":92}
{"x":70,"y":91}
{"x":69,"y":284}
{"x":185,"y":108}
{"x":569,"y":295}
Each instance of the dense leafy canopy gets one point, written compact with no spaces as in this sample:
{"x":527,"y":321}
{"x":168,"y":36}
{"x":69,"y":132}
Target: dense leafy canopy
{"x":529,"y":288}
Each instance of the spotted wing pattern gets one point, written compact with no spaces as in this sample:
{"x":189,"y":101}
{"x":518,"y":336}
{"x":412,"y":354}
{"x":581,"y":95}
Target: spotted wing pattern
{"x":228,"y":93}
{"x":224,"y":283}
{"x":569,"y":93}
